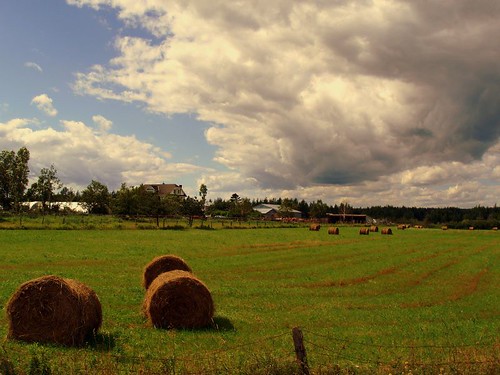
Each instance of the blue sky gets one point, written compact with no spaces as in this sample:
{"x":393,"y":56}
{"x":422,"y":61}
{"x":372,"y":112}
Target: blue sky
{"x":369,"y":102}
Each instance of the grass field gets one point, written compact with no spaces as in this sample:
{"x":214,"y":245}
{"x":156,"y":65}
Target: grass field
{"x":419,"y":301}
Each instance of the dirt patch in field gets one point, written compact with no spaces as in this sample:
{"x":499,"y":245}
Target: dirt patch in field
{"x":431,"y":272}
{"x":280,"y":246}
{"x":353,"y":281}
{"x":467,"y":287}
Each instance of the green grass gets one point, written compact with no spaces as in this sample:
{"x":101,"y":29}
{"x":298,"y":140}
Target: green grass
{"x":417,"y":301}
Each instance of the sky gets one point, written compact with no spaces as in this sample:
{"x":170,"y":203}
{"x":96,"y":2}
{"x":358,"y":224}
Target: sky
{"x":369,"y":102}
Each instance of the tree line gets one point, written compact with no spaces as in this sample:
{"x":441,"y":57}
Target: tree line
{"x":96,"y":198}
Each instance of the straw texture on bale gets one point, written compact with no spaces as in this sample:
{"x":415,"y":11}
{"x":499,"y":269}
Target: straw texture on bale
{"x":177,"y":299}
{"x":386,"y":231}
{"x":364,"y":231}
{"x":51,"y":309}
{"x":402,"y":226}
{"x":314,"y":227}
{"x":373,"y":228}
{"x":444,"y":227}
{"x":333,"y":230}
{"x":161,"y":264}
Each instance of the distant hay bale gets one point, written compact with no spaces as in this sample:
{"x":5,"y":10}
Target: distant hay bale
{"x":444,"y":227}
{"x":161,"y":264}
{"x":333,"y":230}
{"x":373,"y":228}
{"x":364,"y":231}
{"x":494,"y":228}
{"x":51,"y":309}
{"x":402,"y":226}
{"x":177,"y":299}
{"x":315,"y":227}
{"x":471,"y":228}
{"x":386,"y":231}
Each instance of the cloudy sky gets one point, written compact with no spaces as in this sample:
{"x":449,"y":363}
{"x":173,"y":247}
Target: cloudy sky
{"x":372,"y":102}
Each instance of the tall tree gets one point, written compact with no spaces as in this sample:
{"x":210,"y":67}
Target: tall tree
{"x":126,"y":201}
{"x":46,"y":185}
{"x":14,"y":172}
{"x":96,"y":198}
{"x":203,"y":193}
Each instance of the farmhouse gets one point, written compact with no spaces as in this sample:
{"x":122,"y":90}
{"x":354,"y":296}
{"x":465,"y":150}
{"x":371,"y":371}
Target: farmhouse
{"x":165,"y":189}
{"x":347,"y":218}
{"x":274,"y":211}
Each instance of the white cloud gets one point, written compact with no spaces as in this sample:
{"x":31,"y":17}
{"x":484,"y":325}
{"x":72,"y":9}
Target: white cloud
{"x":44,"y":103}
{"x":32,"y":65}
{"x":81,"y":154}
{"x":104,"y":124}
{"x":308,"y":94}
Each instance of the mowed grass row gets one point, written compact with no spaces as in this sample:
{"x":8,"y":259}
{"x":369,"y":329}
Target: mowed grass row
{"x":426,"y":297}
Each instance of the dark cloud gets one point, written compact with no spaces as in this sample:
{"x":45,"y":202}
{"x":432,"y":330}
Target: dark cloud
{"x":329,"y":92}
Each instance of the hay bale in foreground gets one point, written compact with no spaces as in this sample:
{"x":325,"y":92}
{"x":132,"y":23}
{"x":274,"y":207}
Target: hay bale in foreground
{"x":177,"y":299}
{"x":333,"y":230}
{"x":315,"y":227}
{"x":364,"y":231}
{"x":161,"y":264}
{"x":386,"y":231}
{"x":51,"y":309}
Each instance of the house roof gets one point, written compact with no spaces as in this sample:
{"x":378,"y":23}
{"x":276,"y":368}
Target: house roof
{"x":166,"y":189}
{"x":265,"y":208}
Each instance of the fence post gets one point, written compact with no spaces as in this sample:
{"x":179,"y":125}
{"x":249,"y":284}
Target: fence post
{"x":300,"y":350}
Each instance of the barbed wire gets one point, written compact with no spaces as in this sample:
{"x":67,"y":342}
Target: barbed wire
{"x":396,"y":346}
{"x":316,"y":349}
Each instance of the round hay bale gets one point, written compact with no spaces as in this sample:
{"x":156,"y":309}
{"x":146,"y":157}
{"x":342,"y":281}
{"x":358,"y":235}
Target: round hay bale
{"x":315,"y":227}
{"x":333,"y":230}
{"x":402,"y":226}
{"x":161,"y":264}
{"x":373,"y":228}
{"x":177,"y":299}
{"x":494,"y":228}
{"x":364,"y":231}
{"x":386,"y":231}
{"x":471,"y":228}
{"x":444,"y":227}
{"x":51,"y":309}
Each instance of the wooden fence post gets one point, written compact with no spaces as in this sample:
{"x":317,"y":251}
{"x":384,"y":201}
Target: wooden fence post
{"x":300,"y":350}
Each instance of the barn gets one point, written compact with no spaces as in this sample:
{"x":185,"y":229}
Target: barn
{"x":275,"y":211}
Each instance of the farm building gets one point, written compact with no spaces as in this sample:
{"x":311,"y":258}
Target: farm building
{"x":347,"y":218}
{"x":61,"y":206}
{"x":165,"y":189}
{"x":274,"y":211}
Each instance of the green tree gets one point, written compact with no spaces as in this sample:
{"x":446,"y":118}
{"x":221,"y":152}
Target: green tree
{"x":191,"y":207}
{"x":96,"y":198}
{"x":203,"y":193}
{"x":14,"y":172}
{"x":126,"y":201}
{"x":287,"y":206}
{"x":46,"y":186}
{"x":318,"y":209}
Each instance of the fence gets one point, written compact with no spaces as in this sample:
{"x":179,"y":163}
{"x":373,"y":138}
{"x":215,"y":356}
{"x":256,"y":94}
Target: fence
{"x":308,"y":352}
